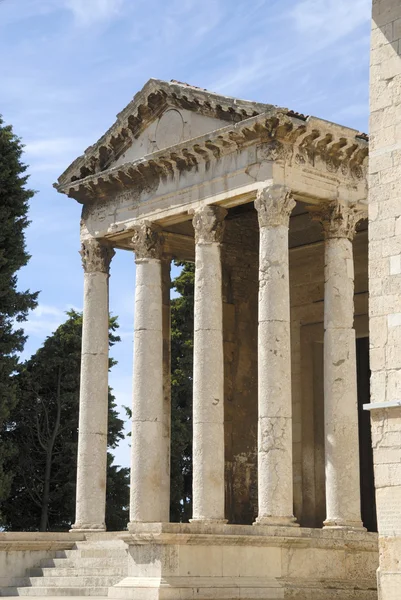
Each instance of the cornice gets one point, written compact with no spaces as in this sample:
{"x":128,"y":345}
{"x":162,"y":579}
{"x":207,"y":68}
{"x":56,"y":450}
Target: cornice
{"x":304,"y":139}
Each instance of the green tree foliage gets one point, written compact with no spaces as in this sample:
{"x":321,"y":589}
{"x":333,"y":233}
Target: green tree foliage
{"x":44,"y":429}
{"x":182,"y":331}
{"x":14,"y":304}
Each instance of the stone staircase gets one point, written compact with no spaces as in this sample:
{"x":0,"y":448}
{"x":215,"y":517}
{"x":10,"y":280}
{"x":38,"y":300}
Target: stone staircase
{"x":87,"y":570}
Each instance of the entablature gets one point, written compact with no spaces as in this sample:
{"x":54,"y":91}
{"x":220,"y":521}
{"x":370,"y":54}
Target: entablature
{"x":319,"y":161}
{"x":311,"y":147}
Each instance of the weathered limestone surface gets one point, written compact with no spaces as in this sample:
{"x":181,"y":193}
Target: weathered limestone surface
{"x":208,"y":384}
{"x":385,"y":283}
{"x":340,"y":377}
{"x":21,"y":551}
{"x":248,"y":562}
{"x":166,"y":327}
{"x":275,"y":495}
{"x":149,"y":495}
{"x":307,"y":303}
{"x":93,"y":408}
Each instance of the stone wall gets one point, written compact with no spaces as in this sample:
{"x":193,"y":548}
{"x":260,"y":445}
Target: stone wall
{"x":240,"y":296}
{"x":385,"y":283}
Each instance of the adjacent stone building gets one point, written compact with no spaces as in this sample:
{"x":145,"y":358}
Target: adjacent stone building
{"x":385,"y":285}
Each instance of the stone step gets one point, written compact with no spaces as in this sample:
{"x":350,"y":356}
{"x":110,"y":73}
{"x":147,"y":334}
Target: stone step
{"x":55,"y":591}
{"x":81,"y":562}
{"x":73,"y":571}
{"x":73,"y":581}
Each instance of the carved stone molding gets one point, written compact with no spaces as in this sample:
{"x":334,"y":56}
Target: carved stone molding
{"x":274,"y":204}
{"x":283,"y":135}
{"x":147,"y":241}
{"x":96,"y":256}
{"x":337,"y":219}
{"x":208,"y":224}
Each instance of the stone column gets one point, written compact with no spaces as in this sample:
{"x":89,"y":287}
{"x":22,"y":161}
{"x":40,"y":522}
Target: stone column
{"x":149,"y":495}
{"x":93,"y":396}
{"x":275,"y":479}
{"x":166,"y":325}
{"x":343,"y":505}
{"x":208,"y":395}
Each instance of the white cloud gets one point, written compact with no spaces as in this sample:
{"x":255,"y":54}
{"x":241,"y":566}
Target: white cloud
{"x":330,"y":19}
{"x":32,"y":8}
{"x":52,"y":155}
{"x":351,"y":112}
{"x":52,"y":146}
{"x":87,"y":12}
{"x":45,"y":319}
{"x":314,"y":28}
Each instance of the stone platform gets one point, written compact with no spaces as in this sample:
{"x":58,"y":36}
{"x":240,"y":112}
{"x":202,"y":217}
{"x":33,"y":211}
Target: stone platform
{"x":186,"y":561}
{"x":171,"y":561}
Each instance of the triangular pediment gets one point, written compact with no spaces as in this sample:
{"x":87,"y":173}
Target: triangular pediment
{"x":161,"y":115}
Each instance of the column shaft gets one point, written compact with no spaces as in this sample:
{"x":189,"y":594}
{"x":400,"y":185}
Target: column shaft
{"x":149,"y":501}
{"x":93,"y":400}
{"x":166,"y":326}
{"x":275,"y":478}
{"x":343,"y":507}
{"x":208,"y":390}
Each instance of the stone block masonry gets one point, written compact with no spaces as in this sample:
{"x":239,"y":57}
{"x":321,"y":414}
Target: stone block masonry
{"x":385,"y":285}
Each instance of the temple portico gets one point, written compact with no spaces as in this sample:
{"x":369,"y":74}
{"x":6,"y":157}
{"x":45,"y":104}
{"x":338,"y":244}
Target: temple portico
{"x":151,"y":434}
{"x":271,"y":207}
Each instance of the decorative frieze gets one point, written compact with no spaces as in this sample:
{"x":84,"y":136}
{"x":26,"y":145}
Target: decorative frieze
{"x":147,"y":241}
{"x":274,"y":204}
{"x":96,"y":256}
{"x":208,"y":224}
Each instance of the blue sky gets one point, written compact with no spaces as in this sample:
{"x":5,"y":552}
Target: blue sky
{"x":68,"y":66}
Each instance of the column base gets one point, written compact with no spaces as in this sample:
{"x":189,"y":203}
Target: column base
{"x":135,"y":526}
{"x":272,"y":521}
{"x":343,"y":524}
{"x":87,"y":527}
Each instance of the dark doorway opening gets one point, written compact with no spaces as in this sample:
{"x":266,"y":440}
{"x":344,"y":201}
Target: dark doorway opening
{"x":368,"y":499}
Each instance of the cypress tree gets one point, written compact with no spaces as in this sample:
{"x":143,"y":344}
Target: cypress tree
{"x":14,"y":304}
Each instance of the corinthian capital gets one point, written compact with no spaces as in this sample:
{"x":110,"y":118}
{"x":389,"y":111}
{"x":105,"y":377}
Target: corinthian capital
{"x":274,"y":204}
{"x":337,"y":219}
{"x":96,"y":256}
{"x":147,"y":241}
{"x":208,"y":224}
